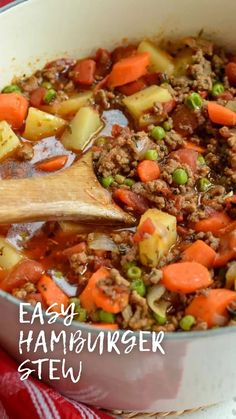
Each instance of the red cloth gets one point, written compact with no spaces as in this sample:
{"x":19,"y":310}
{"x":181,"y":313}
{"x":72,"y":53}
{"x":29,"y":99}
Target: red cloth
{"x":31,"y":399}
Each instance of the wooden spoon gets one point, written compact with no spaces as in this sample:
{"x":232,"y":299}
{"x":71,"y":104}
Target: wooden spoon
{"x":73,"y":194}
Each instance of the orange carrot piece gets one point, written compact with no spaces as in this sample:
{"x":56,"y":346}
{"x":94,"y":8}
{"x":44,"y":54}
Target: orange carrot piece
{"x":186,"y":277}
{"x":227,"y":249}
{"x":133,"y":87}
{"x":192,"y":146}
{"x":109,"y":326}
{"x":213,"y":223}
{"x":221,"y":115}
{"x":13,"y":109}
{"x":199,"y":252}
{"x":86,"y":297}
{"x":52,"y":164}
{"x":93,"y":297}
{"x":212,"y":308}
{"x":25,"y":271}
{"x":128,"y":69}
{"x":52,"y":294}
{"x":148,"y":170}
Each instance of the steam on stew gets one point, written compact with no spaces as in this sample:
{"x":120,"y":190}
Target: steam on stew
{"x":161,"y":125}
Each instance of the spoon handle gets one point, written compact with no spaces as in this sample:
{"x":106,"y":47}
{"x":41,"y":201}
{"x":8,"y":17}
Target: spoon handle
{"x":73,"y":194}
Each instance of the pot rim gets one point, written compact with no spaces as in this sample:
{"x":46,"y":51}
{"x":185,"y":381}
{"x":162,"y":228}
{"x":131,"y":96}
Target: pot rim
{"x":89,"y":328}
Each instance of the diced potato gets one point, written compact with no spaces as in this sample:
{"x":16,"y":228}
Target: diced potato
{"x":154,"y":247}
{"x":41,"y":124}
{"x":9,"y":141}
{"x":69,"y":227}
{"x":140,"y":102}
{"x":69,"y":106}
{"x":85,"y":124}
{"x":182,"y":60}
{"x":9,"y":256}
{"x":160,"y":59}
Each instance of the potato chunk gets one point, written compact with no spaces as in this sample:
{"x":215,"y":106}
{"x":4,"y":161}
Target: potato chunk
{"x":9,"y":256}
{"x":155,"y":246}
{"x":41,"y":124}
{"x":160,"y":59}
{"x":85,"y":124}
{"x":140,"y":102}
{"x":183,"y":59}
{"x":69,"y":106}
{"x":9,"y":141}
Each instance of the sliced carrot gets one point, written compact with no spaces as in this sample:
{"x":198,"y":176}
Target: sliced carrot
{"x":86,"y":297}
{"x":215,"y":222}
{"x":52,"y":164}
{"x":148,"y":170}
{"x":93,"y":297}
{"x":133,"y":87}
{"x":186,"y":277}
{"x":199,"y":252}
{"x":80,"y":247}
{"x":109,"y":326}
{"x":212,"y":308}
{"x":147,"y":227}
{"x":84,"y":72}
{"x":25,"y":271}
{"x":192,"y":146}
{"x":13,"y":109}
{"x":227,"y":249}
{"x":131,"y":200}
{"x":128,"y":69}
{"x":52,"y":294}
{"x":221,"y":115}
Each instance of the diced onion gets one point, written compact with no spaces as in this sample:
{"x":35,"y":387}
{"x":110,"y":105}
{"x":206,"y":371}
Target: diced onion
{"x":153,"y":299}
{"x":97,"y":241}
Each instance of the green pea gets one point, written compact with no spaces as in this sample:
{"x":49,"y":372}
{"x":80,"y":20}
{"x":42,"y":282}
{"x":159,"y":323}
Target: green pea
{"x":119,"y":179}
{"x":203,"y":184}
{"x":151,"y":155}
{"x":128,"y":265}
{"x":81,"y":315}
{"x":134,"y":272}
{"x":76,"y":303}
{"x":187,"y":322}
{"x":217,"y":89}
{"x":129,"y":182}
{"x":194,"y":101}
{"x":167,"y":126}
{"x":47,"y":85}
{"x":11,"y":89}
{"x":158,"y":133}
{"x":106,"y":317}
{"x":180,"y":176}
{"x":138,"y":286}
{"x":49,"y":96}
{"x":107,"y":181}
{"x":100,"y":141}
{"x":160,"y":319}
{"x":201,"y":160}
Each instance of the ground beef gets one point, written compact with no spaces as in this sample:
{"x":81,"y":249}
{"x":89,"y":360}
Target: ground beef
{"x":201,"y":72}
{"x":24,"y":291}
{"x":26,"y":151}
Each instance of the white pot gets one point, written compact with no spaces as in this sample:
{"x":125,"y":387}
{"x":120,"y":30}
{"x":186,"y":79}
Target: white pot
{"x":199,"y":368}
